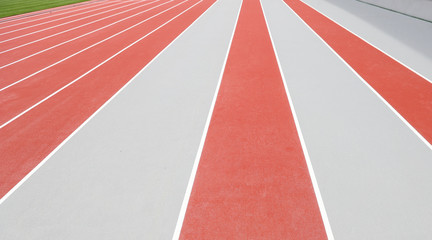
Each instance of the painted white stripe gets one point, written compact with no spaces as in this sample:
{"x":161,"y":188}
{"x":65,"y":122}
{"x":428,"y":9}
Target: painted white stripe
{"x":95,"y":44}
{"x":97,"y":66}
{"x":70,"y":29}
{"x":7,"y":195}
{"x":191,"y":181}
{"x":302,"y":141}
{"x":57,"y":19}
{"x":83,"y":35}
{"x":367,"y":84}
{"x":48,"y":11}
{"x":58,"y":25}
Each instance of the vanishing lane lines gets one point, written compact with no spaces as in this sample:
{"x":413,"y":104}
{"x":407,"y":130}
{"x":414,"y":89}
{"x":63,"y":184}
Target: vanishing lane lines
{"x":194,"y":65}
{"x":71,"y":29}
{"x":59,"y":25}
{"x":38,"y":17}
{"x":252,"y":179}
{"x":59,"y":116}
{"x":55,"y":19}
{"x":83,"y":35}
{"x":97,"y":43}
{"x":100,"y":64}
{"x":404,"y":91}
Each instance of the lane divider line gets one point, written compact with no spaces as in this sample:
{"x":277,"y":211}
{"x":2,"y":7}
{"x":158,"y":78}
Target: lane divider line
{"x":95,"y":44}
{"x":100,"y":64}
{"x":191,"y":181}
{"x":58,"y":25}
{"x":83,"y":35}
{"x":94,"y":4}
{"x":22,"y":181}
{"x":422,"y":139}
{"x":57,"y":19}
{"x":320,"y":201}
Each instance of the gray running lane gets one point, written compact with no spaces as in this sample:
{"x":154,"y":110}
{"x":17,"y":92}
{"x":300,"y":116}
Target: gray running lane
{"x":404,"y":38}
{"x":373,"y":172}
{"x":124,"y":174}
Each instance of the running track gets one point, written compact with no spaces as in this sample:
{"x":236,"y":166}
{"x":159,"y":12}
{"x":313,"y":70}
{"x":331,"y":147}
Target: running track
{"x":205,"y":119}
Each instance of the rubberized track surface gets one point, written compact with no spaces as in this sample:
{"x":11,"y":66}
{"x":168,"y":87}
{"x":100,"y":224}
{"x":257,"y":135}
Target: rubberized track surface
{"x":204,"y":119}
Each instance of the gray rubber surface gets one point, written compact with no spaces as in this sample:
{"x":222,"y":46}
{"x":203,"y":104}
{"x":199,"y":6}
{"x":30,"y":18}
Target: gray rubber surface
{"x":373,"y":172}
{"x":124,"y":174}
{"x":421,"y":9}
{"x":404,"y":38}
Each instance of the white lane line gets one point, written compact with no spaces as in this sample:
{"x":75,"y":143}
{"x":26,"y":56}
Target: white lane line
{"x":57,"y":19}
{"x":95,"y":4}
{"x":95,"y":44}
{"x":390,"y":56}
{"x":429,"y":145}
{"x":302,"y":141}
{"x":83,"y":35}
{"x":97,"y":66}
{"x":191,"y":181}
{"x":8,"y":194}
{"x":61,"y":24}
{"x":70,"y":29}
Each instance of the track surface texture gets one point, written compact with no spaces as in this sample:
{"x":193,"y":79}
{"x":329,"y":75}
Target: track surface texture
{"x":215,"y":119}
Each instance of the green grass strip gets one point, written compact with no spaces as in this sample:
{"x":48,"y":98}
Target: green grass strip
{"x":15,"y":7}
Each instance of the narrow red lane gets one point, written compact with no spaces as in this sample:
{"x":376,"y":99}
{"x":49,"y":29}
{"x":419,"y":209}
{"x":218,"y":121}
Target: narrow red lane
{"x":404,"y":90}
{"x":29,"y":139}
{"x":252,"y":180}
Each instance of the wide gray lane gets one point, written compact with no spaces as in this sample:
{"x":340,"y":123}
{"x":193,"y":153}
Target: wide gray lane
{"x":421,"y":9}
{"x":405,"y":38}
{"x":124,"y":174}
{"x":373,"y":172}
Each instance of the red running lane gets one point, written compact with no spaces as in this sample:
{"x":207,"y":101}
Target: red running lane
{"x":408,"y":93}
{"x":252,"y":181}
{"x":52,"y":17}
{"x":25,"y":142}
{"x":36,"y":44}
{"x":42,"y":14}
{"x":54,"y":27}
{"x":19,"y":70}
{"x":23,"y":95}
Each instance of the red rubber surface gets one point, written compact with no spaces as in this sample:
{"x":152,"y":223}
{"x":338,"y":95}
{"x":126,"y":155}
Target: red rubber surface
{"x":404,"y":90}
{"x":55,"y":119}
{"x":252,"y":181}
